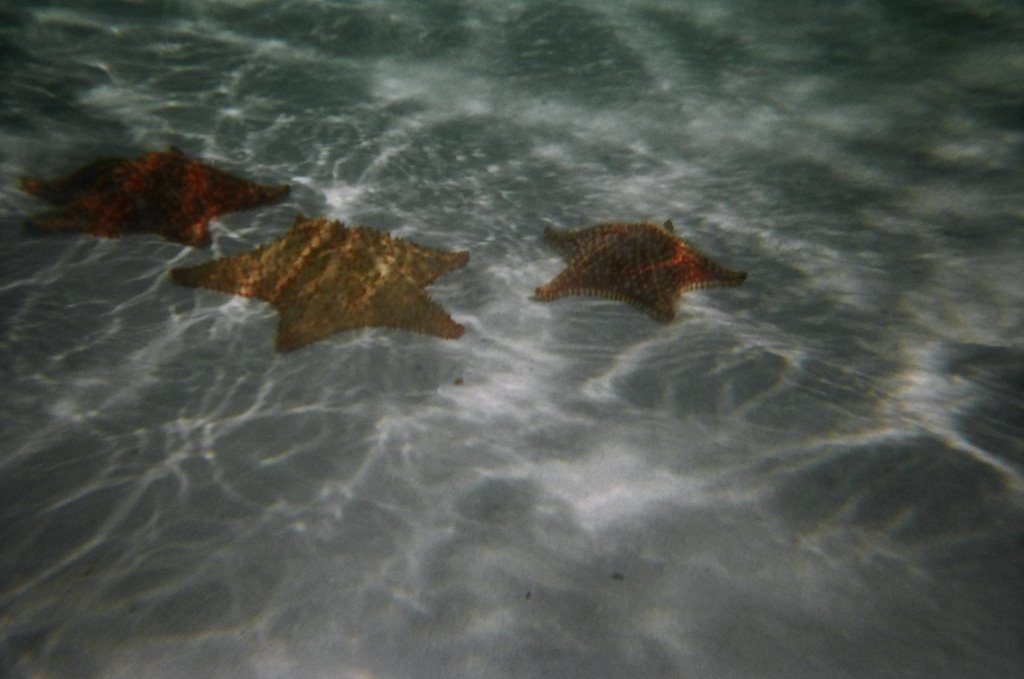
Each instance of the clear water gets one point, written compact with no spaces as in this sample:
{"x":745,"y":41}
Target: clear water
{"x":817,"y":474}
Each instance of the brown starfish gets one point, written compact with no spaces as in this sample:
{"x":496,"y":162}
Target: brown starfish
{"x":163,"y":191}
{"x":324,"y":277}
{"x":637,"y":262}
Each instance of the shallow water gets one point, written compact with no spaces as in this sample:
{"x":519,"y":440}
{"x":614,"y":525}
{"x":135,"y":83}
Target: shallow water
{"x":819,"y":473}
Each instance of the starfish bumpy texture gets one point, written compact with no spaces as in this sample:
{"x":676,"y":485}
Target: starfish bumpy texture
{"x":638,"y":262}
{"x":324,"y":277}
{"x":163,"y":192}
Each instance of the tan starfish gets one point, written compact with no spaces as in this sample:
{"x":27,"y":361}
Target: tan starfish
{"x":324,"y":277}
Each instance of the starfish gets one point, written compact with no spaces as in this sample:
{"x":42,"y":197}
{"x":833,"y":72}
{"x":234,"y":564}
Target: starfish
{"x":637,"y":262}
{"x":162,"y":191}
{"x":324,"y":277}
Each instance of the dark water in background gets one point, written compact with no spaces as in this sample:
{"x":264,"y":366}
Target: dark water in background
{"x":818,"y":474}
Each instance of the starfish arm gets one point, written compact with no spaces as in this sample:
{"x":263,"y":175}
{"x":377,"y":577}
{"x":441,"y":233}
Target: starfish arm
{"x":237,"y":275}
{"x":427,"y":264}
{"x":404,"y":304}
{"x":696,"y":271}
{"x":223,"y":192}
{"x":572,"y":244}
{"x":312,"y":320}
{"x":378,"y":253}
{"x":659,"y":302}
{"x":182,"y":196}
{"x":563,"y":241}
{"x":66,"y":189}
{"x":569,"y":282}
{"x":91,"y":200}
{"x":73,"y":218}
{"x":399,"y":304}
{"x":654,"y":294}
{"x":712,"y":277}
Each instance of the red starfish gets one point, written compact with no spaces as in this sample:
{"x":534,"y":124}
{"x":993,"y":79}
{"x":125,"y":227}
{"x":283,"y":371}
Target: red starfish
{"x":638,"y":262}
{"x":164,"y":192}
